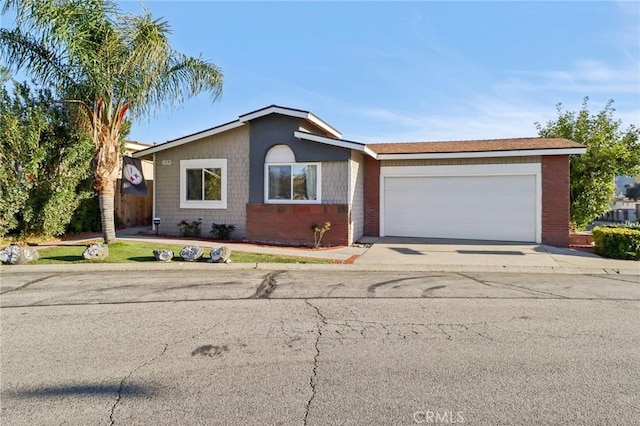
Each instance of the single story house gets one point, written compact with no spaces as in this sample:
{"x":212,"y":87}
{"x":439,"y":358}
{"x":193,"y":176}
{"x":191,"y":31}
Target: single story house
{"x":275,"y":172}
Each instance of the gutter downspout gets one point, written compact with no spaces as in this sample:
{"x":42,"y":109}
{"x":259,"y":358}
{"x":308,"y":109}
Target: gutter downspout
{"x":153,"y":203}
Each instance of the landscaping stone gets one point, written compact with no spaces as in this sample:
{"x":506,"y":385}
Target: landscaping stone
{"x":220,"y":255}
{"x":18,"y":255}
{"x":191,"y":253}
{"x":163,"y":255}
{"x":96,"y":252}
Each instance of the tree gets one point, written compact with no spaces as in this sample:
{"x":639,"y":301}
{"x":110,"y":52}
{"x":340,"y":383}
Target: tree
{"x":633,"y":191}
{"x":611,"y":151}
{"x":110,"y":65}
{"x":43,"y":160}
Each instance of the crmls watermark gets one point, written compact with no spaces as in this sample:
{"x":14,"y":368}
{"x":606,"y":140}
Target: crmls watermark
{"x":438,"y":417}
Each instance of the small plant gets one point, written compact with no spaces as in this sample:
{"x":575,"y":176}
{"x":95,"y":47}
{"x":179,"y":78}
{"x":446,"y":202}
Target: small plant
{"x":190,"y":229}
{"x":221,"y":231}
{"x":318,"y":233}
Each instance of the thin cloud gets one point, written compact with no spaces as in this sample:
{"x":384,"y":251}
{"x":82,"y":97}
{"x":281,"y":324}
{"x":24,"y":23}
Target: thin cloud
{"x":586,"y":76}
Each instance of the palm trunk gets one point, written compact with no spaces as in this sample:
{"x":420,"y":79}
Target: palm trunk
{"x":106,"y":197}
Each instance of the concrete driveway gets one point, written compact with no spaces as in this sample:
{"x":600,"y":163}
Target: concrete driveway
{"x":430,"y":251}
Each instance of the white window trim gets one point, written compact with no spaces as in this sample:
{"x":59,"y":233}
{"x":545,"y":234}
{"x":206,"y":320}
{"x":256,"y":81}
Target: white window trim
{"x":318,"y":199}
{"x":203,"y":164}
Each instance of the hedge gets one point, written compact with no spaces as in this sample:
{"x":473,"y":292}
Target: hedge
{"x":617,"y":243}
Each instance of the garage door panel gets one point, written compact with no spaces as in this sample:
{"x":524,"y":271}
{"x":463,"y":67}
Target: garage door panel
{"x":468,"y":207}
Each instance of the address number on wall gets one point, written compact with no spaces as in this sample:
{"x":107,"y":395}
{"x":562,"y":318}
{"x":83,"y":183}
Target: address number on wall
{"x":166,"y":162}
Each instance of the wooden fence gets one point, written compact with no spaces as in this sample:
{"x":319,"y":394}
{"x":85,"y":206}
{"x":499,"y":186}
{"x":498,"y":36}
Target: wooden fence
{"x":134,"y":210}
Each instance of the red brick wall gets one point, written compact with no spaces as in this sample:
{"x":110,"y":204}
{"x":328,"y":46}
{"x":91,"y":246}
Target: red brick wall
{"x":371,"y":197}
{"x":291,"y":223}
{"x":555,"y":200}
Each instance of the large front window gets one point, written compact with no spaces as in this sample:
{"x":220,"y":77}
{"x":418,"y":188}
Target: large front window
{"x":296,"y":182}
{"x":203,"y":184}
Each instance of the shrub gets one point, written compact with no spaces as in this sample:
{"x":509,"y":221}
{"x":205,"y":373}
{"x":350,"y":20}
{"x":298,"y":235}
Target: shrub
{"x":190,"y":229}
{"x":221,"y":231}
{"x":617,"y":243}
{"x":86,"y":218}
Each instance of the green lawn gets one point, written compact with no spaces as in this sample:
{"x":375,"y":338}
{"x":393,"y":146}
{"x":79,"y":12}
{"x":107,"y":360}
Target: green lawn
{"x":126,"y":252}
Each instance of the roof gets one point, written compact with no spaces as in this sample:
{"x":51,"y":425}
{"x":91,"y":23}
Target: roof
{"x":271,"y":109}
{"x":519,"y":144}
{"x":135,"y":146}
{"x":292,"y":112}
{"x":343,"y":143}
{"x":390,"y":151}
{"x":474,"y":148}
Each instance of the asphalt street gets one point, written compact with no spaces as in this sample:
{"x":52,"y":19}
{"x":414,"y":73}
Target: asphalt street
{"x":318,"y":347}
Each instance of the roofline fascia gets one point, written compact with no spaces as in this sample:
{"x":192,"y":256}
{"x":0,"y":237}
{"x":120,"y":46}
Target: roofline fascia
{"x":292,"y":113}
{"x":181,"y":141}
{"x":329,"y":141}
{"x":370,"y":152}
{"x":483,"y":154}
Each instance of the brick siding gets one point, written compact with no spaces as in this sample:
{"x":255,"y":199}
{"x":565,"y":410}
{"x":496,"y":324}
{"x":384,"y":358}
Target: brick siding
{"x":371,"y":197}
{"x":291,"y":223}
{"x":555,"y":200}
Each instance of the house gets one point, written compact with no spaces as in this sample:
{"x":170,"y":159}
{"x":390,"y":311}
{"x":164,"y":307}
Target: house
{"x":623,"y":209}
{"x":275,"y":172}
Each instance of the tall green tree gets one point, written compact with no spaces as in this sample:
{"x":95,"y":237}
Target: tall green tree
{"x":611,"y":151}
{"x":44,"y":158}
{"x":111,"y":65}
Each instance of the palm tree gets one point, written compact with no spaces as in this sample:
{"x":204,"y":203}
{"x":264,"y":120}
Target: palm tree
{"x":109,"y":64}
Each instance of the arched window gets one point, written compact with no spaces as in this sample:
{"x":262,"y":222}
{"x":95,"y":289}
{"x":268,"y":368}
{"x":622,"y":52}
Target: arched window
{"x":287,"y":181}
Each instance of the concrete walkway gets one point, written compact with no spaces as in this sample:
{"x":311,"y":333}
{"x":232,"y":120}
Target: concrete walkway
{"x":486,"y":254}
{"x":394,"y":254}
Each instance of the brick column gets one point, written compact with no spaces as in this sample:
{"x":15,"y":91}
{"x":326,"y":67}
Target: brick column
{"x":555,"y":200}
{"x":371,"y":197}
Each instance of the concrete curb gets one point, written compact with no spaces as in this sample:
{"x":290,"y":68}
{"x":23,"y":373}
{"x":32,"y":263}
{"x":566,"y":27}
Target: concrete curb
{"x":201,"y":266}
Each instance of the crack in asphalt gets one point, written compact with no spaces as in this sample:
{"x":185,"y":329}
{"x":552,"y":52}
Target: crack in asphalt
{"x":548,"y":293}
{"x":147,"y":362}
{"x":314,"y":374}
{"x":27,"y":284}
{"x":637,"y":281}
{"x":226,"y":299}
{"x":125,"y":378}
{"x":267,"y":286}
{"x":448,"y":330}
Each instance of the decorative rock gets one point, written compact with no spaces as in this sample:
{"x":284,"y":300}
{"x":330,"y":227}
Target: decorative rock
{"x":163,"y":255}
{"x":191,"y":253}
{"x":96,"y":252}
{"x":18,"y":255}
{"x":220,"y":255}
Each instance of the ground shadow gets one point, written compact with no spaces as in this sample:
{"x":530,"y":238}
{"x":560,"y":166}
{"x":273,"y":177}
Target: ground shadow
{"x":84,"y":390}
{"x":67,"y":258}
{"x":142,"y":258}
{"x":499,"y":252}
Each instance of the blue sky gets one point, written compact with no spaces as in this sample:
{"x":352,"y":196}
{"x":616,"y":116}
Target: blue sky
{"x":406,"y":71}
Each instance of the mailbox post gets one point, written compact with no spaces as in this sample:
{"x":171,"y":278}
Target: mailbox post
{"x":156,"y":223}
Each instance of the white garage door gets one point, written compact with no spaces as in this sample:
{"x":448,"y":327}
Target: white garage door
{"x":501,"y":208}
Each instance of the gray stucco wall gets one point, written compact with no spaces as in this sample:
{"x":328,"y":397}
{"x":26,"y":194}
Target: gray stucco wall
{"x":276,"y":129}
{"x":232,"y":145}
{"x":356,"y":196}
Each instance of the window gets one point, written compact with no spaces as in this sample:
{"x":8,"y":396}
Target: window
{"x":203,"y":184}
{"x":297,"y":182}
